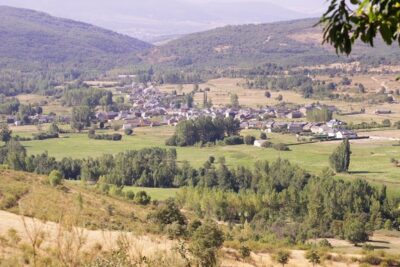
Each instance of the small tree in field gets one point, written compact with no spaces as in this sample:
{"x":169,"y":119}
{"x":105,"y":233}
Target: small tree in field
{"x":205,"y":243}
{"x":340,"y":158}
{"x":313,"y":257}
{"x":282,"y":257}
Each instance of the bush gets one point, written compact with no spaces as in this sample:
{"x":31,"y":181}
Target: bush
{"x":267,"y":144}
{"x":244,"y":251}
{"x":130,"y":194}
{"x":128,"y":131}
{"x":104,"y":188}
{"x":263,"y":136}
{"x":280,"y":147}
{"x":233,"y":140}
{"x":116,"y":191}
{"x":43,"y":136}
{"x":55,"y":178}
{"x":142,"y":198}
{"x":249,"y":140}
{"x":371,"y":259}
{"x":324,"y":243}
{"x":111,"y":137}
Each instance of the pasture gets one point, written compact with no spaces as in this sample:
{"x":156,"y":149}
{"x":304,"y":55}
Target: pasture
{"x":371,"y":158}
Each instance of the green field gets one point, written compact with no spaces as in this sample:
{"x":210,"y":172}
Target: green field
{"x":370,"y":159}
{"x":154,"y":193}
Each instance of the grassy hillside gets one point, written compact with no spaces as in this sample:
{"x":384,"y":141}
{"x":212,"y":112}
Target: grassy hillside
{"x":33,"y":39}
{"x":295,"y":42}
{"x":30,"y":194}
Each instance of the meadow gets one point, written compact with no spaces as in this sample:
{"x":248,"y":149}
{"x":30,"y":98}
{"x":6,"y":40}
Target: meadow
{"x":371,"y":158}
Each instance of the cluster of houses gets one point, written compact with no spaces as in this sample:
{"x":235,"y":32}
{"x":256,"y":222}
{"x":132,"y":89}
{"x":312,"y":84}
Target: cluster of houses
{"x":151,"y":107}
{"x":36,"y":119}
{"x":333,"y":129}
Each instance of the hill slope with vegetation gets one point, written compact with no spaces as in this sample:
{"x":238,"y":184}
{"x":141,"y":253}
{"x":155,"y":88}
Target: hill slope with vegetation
{"x":33,"y":40}
{"x":296,"y":42}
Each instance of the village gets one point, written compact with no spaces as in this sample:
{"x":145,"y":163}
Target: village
{"x":152,"y":107}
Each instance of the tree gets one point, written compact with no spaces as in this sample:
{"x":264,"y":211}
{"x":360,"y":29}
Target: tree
{"x":14,"y":155}
{"x":313,"y":257}
{"x":340,"y":158}
{"x":168,"y":213}
{"x":235,"y":101}
{"x":282,"y":257}
{"x":5,"y":133}
{"x":205,"y":243}
{"x":81,"y":117}
{"x":189,"y":100}
{"x":249,"y":140}
{"x":53,"y":128}
{"x":343,"y":25}
{"x":354,"y":229}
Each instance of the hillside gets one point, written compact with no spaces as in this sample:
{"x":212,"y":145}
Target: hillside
{"x":295,"y":42}
{"x":150,"y":19}
{"x":32,"y":39}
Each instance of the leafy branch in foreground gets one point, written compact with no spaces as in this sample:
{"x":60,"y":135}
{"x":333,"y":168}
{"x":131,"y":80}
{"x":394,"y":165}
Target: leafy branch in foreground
{"x":347,"y":21}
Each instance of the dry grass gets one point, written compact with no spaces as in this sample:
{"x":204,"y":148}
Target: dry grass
{"x":30,"y":195}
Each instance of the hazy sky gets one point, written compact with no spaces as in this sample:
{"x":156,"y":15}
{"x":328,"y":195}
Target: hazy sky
{"x":146,"y":19}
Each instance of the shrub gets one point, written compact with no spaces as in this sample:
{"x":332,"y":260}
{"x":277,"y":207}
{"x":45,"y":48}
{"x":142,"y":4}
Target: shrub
{"x":324,"y":243}
{"x":371,"y":259}
{"x":130,"y":194}
{"x":111,"y":137}
{"x":116,"y":191}
{"x":267,"y":144}
{"x":43,"y":136}
{"x":104,"y":188}
{"x":55,"y":178}
{"x":233,"y":140}
{"x":128,"y":131}
{"x":244,"y":251}
{"x":280,"y":147}
{"x":263,"y":136}
{"x":249,"y":140}
{"x":142,"y":198}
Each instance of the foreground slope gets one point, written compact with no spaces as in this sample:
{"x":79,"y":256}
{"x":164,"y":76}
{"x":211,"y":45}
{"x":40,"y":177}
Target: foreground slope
{"x":35,"y":39}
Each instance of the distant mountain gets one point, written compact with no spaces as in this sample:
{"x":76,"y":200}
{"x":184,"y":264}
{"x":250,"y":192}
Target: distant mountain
{"x":295,"y":42}
{"x":31,"y":39}
{"x":152,"y":18}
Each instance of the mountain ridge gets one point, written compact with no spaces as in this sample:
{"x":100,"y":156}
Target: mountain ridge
{"x":39,"y":38}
